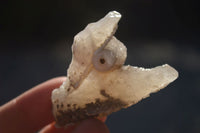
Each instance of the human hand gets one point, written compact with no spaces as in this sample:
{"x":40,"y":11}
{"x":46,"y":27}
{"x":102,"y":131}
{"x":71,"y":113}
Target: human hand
{"x":32,"y":111}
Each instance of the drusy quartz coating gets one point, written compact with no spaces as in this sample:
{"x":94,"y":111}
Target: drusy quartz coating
{"x":98,"y":83}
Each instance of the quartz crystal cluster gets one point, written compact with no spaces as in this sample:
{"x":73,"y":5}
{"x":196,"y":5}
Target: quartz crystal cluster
{"x":98,"y":83}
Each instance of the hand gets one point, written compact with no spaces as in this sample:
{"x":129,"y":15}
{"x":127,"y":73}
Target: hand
{"x":32,"y":111}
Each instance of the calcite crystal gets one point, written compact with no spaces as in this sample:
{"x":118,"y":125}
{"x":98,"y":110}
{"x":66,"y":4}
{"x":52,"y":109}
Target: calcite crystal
{"x":97,"y":82}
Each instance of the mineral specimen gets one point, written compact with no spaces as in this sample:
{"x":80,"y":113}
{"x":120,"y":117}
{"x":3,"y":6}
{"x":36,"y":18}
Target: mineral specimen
{"x":97,"y":82}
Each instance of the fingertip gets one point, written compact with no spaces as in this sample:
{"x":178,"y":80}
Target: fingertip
{"x":91,"y":126}
{"x":103,"y":119}
{"x":52,"y":129}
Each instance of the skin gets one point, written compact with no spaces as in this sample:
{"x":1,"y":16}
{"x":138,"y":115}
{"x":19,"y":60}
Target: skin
{"x":32,"y":112}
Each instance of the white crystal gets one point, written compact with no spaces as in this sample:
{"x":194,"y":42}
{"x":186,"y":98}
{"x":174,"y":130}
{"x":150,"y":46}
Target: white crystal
{"x":85,"y":83}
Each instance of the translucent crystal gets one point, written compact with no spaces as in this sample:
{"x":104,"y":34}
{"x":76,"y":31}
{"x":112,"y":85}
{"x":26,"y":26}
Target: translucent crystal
{"x":95,"y":88}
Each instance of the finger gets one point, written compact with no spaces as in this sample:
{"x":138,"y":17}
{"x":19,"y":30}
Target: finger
{"x":103,"y":119}
{"x":52,"y":129}
{"x":91,"y":126}
{"x":86,"y":126}
{"x":30,"y":111}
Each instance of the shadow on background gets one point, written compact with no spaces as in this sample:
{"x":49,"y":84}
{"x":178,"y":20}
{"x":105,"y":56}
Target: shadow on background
{"x":36,"y":38}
